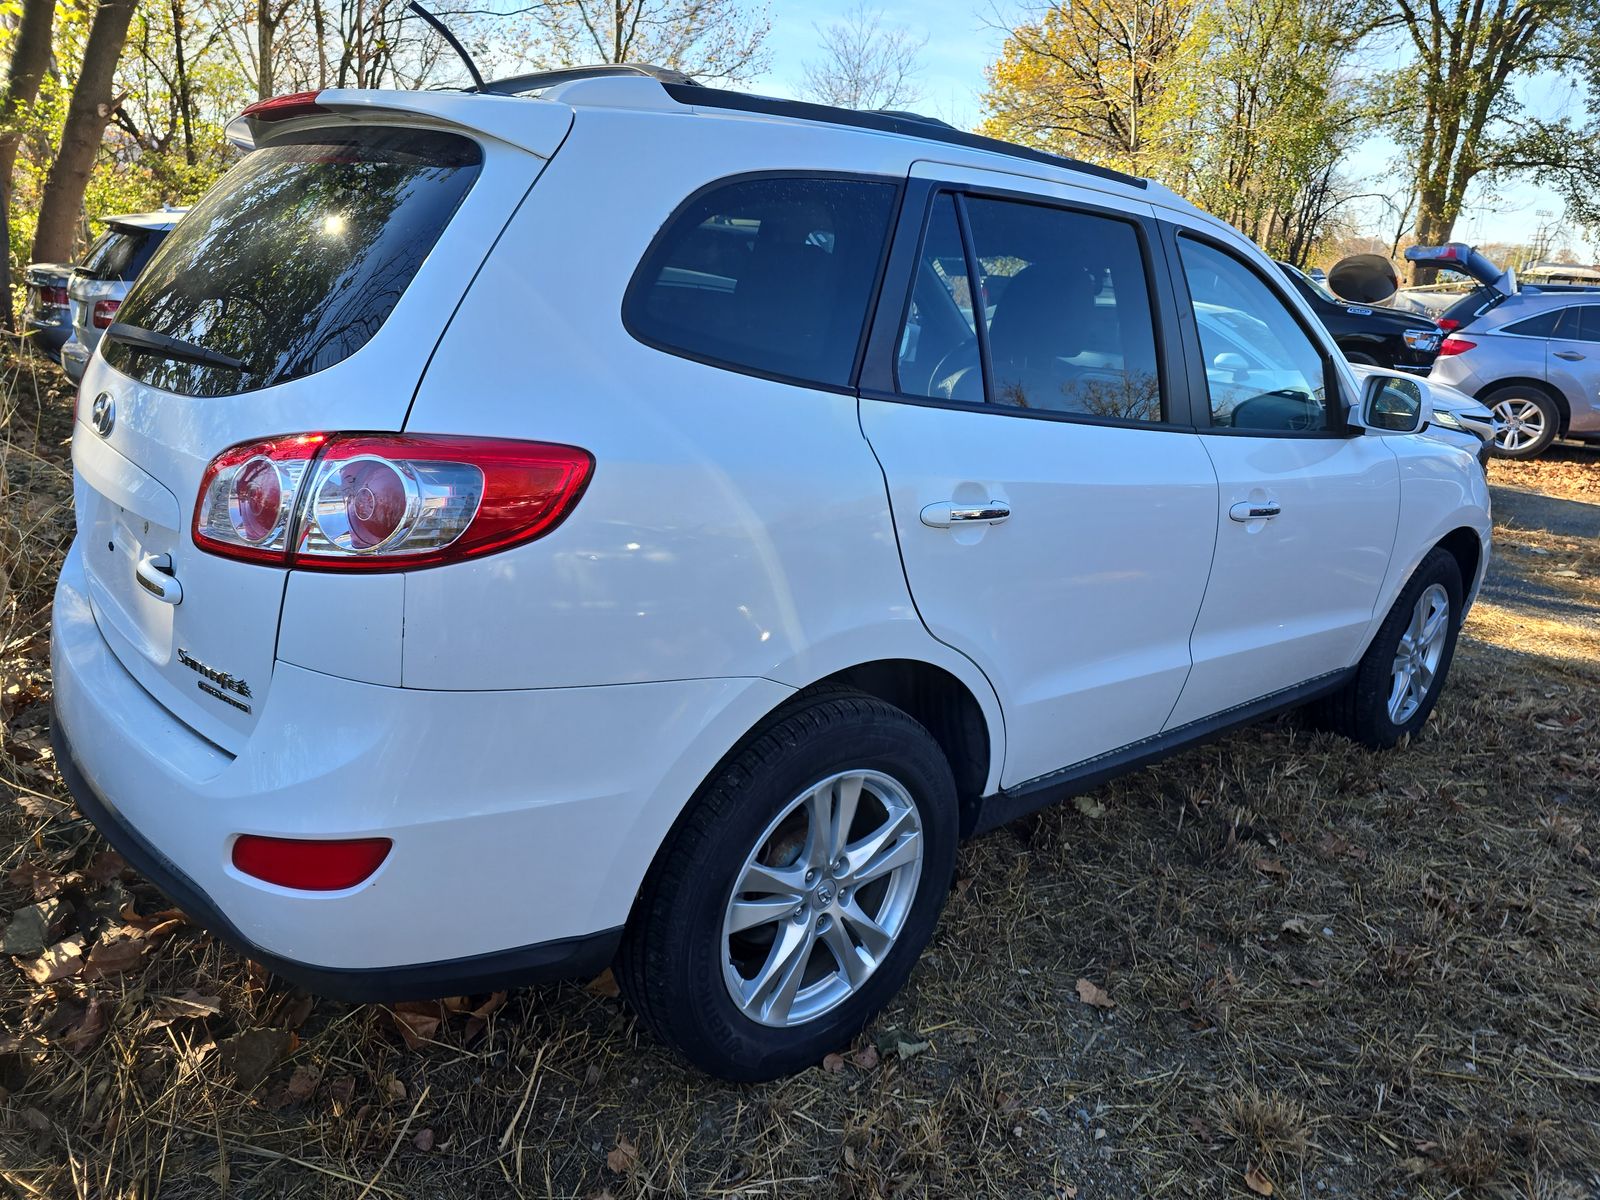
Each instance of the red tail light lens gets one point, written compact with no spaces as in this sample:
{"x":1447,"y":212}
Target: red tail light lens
{"x":53,"y":297}
{"x":104,"y":313}
{"x":281,"y":108}
{"x":1455,"y":345}
{"x":1448,"y":324}
{"x":310,"y":866}
{"x":384,"y":502}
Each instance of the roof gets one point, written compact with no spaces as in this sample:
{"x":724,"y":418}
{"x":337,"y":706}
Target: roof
{"x":164,"y":218}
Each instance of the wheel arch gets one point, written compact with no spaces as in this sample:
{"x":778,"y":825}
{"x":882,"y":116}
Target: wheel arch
{"x":1464,"y":545}
{"x":1539,"y":385}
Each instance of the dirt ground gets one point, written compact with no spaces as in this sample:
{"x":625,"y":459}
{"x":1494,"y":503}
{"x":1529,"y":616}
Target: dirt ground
{"x":1278,"y":965}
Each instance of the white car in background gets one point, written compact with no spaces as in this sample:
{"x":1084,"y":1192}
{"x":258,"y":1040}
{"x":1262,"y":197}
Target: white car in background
{"x":682,"y":602}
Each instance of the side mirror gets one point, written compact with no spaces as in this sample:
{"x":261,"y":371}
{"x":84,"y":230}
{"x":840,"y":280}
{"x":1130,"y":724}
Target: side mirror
{"x":1395,"y":404}
{"x":1235,"y":364}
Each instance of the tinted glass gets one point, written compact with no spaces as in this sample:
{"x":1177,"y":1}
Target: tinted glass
{"x":1588,"y":324}
{"x":296,"y":258}
{"x":772,"y":275}
{"x":938,"y":346}
{"x":1263,"y":370}
{"x":120,"y":253}
{"x":1068,"y":311}
{"x":1543,"y":325}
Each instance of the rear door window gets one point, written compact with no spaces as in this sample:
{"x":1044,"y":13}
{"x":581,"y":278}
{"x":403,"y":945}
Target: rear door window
{"x":297,"y":257}
{"x":771,"y":276}
{"x":1542,"y":326}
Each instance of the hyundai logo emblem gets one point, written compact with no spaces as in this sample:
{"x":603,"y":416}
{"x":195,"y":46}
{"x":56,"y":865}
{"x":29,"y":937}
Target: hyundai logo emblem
{"x":104,"y":414}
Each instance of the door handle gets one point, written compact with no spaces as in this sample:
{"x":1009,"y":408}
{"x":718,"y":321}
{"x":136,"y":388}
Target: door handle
{"x":1569,"y":355}
{"x":154,"y":574}
{"x":947,"y":513}
{"x":1247,"y":510}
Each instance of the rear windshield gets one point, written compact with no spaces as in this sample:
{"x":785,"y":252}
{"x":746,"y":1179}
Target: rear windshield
{"x":296,"y":258}
{"x":121,"y":252}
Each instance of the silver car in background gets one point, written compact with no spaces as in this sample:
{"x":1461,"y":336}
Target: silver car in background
{"x":1534,"y":361}
{"x":100,"y":281}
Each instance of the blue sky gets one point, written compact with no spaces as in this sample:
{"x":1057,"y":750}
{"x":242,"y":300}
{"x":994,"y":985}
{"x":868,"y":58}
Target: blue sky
{"x":963,"y":37}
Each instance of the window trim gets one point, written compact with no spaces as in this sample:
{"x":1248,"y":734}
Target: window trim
{"x":1340,"y":425}
{"x":880,"y":375}
{"x":632,"y":294}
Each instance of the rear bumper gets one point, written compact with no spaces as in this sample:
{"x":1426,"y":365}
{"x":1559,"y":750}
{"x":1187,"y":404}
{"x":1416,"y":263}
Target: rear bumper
{"x":74,"y":358}
{"x":522,"y":822}
{"x":566,"y":958}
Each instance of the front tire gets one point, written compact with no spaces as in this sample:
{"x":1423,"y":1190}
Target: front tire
{"x":1529,"y":421}
{"x":1399,"y":679}
{"x":793,"y":897}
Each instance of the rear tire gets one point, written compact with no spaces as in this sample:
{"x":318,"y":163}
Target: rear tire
{"x":1398,"y":680}
{"x":761,"y":939}
{"x":1528,"y":417}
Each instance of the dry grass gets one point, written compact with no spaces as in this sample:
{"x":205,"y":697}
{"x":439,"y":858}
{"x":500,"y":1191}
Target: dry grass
{"x":1337,"y":973}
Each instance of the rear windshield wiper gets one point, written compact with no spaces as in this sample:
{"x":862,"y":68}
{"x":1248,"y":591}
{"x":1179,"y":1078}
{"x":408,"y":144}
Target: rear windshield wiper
{"x":149,"y":341}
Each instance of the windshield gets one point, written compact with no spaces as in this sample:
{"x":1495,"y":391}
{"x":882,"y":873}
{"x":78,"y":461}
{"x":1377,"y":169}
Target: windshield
{"x":295,"y":259}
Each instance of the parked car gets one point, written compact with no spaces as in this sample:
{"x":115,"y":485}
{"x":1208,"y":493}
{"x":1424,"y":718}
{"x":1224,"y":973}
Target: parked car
{"x":99,"y":283}
{"x":1372,"y":336}
{"x":1457,"y":418}
{"x":856,"y":486}
{"x":46,"y":315}
{"x":1534,"y":361}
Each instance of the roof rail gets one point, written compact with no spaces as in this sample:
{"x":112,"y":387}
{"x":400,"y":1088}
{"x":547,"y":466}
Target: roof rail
{"x":928,"y":129}
{"x":516,"y":85}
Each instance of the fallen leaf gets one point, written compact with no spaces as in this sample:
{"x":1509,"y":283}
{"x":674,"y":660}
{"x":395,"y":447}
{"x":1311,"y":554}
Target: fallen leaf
{"x":424,"y":1140}
{"x":298,"y":1010}
{"x":912,"y":1049}
{"x":250,"y":1056}
{"x":302,"y":1084}
{"x":106,"y":866}
{"x":604,"y":984}
{"x":623,"y":1156}
{"x":489,"y":1006}
{"x":1271,"y":866}
{"x":417,"y":1023}
{"x":40,"y":880}
{"x":1296,"y":927}
{"x":1089,"y":806}
{"x":61,"y":961}
{"x":1257,"y":1182}
{"x":86,"y":1030}
{"x":190,"y":1005}
{"x":867,"y":1057}
{"x":1094,"y":994}
{"x":833,"y":1064}
{"x":395,"y":1089}
{"x":116,"y":955}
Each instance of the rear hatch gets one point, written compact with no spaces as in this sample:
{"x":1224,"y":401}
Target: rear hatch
{"x":326,"y":265}
{"x":1494,"y":283}
{"x":108,"y":267}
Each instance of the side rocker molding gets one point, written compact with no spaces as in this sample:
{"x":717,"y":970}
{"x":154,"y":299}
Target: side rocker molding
{"x":1000,"y":807}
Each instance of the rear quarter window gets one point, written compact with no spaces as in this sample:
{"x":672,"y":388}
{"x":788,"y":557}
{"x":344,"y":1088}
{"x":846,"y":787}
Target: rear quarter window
{"x":121,"y":252}
{"x":297,"y":257}
{"x":771,"y":276}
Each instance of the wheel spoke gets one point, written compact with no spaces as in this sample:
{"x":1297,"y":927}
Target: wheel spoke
{"x":1424,"y":679}
{"x":874,"y":939}
{"x":899,"y":854}
{"x":844,"y":815}
{"x":1434,"y":624}
{"x":747,"y":914}
{"x":863,"y":854}
{"x":1398,"y":692}
{"x":762,"y":880}
{"x":772,"y":991}
{"x":819,"y":816}
{"x":855,"y":968}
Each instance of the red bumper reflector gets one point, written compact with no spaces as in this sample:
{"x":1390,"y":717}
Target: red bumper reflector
{"x":310,"y":866}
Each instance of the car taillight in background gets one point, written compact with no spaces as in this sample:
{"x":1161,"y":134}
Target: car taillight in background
{"x":383,"y":502}
{"x":52,"y":297}
{"x":1455,"y":345}
{"x":1425,"y":340}
{"x":104,"y":313}
{"x":1448,"y":324}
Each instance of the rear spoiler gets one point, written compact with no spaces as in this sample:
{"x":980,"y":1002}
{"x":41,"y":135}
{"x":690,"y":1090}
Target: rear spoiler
{"x":537,"y":126}
{"x":1464,"y":259}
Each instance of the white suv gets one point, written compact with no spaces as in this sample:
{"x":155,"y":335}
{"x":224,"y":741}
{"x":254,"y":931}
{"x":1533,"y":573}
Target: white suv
{"x":660,"y":522}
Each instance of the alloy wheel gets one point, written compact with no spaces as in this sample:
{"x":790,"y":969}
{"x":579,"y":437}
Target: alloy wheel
{"x":820,"y":900}
{"x":1522,"y":423}
{"x":1416,"y":658}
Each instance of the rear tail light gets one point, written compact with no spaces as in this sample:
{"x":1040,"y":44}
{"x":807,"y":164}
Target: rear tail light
{"x":383,"y":502}
{"x":104,"y":313}
{"x":1448,"y":324}
{"x":52,"y":297}
{"x":310,"y":866}
{"x":1455,"y":345}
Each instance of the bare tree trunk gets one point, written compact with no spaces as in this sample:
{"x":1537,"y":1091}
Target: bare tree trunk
{"x":180,"y":67}
{"x":87,"y":116}
{"x":30,"y":59}
{"x":266,"y":33}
